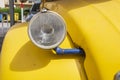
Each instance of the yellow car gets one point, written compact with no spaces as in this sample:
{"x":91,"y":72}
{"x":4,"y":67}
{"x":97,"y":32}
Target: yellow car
{"x":66,"y":40}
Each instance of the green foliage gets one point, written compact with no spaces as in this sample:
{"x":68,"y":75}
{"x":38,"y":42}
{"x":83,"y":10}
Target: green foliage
{"x":6,"y":10}
{"x":16,"y":10}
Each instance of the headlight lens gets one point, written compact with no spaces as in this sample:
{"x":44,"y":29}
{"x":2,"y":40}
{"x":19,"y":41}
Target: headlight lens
{"x":47,"y":30}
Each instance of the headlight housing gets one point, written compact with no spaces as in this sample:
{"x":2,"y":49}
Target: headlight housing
{"x":47,"y":30}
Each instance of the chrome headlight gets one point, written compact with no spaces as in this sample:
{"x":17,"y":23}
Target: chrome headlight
{"x":47,"y":30}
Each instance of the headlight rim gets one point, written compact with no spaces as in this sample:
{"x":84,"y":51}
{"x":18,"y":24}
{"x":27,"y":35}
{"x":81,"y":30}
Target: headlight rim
{"x":56,"y":44}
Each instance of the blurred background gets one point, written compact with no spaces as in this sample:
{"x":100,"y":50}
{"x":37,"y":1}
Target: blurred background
{"x":12,"y":12}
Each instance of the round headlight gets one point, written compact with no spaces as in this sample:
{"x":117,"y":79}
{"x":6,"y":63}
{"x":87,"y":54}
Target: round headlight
{"x":47,"y":30}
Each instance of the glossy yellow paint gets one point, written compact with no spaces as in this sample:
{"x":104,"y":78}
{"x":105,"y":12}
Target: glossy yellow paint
{"x":0,"y":67}
{"x":95,"y":26}
{"x":22,"y":60}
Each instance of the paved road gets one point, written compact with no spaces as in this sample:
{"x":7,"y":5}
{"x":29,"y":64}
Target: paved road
{"x":4,"y":27}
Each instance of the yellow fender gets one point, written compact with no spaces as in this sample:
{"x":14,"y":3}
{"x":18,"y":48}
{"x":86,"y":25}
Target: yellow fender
{"x":22,"y":60}
{"x":95,"y":26}
{"x":92,"y":25}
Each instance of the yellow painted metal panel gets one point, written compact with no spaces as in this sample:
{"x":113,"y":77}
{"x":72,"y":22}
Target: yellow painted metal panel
{"x":92,"y":24}
{"x":22,"y":60}
{"x":95,"y":26}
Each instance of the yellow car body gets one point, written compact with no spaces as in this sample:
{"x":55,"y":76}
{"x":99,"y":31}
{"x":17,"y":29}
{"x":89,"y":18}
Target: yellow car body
{"x":93,"y":25}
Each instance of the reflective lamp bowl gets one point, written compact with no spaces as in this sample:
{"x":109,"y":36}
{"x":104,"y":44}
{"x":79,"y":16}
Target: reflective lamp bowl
{"x":47,"y":30}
